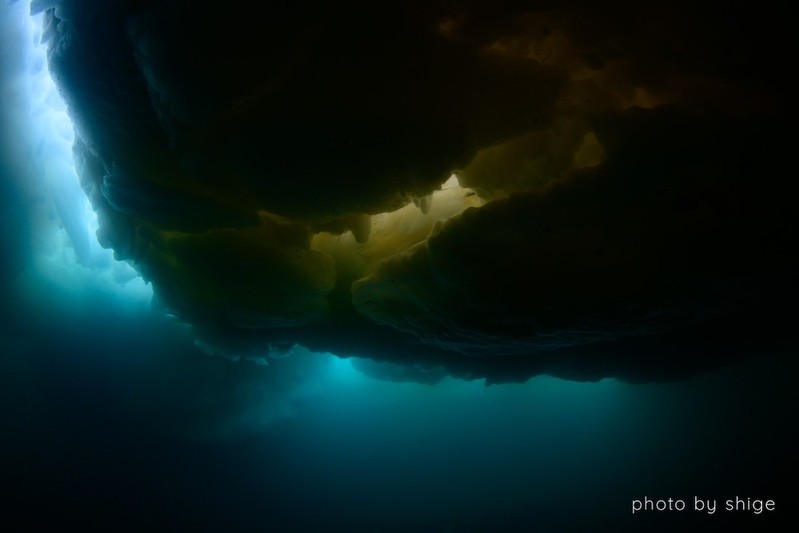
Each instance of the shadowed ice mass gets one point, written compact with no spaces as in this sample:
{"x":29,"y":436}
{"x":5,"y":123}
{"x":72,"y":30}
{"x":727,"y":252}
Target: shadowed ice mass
{"x":490,"y":190}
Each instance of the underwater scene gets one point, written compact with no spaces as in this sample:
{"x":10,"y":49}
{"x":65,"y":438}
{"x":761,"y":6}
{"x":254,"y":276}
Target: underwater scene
{"x":396,"y":266}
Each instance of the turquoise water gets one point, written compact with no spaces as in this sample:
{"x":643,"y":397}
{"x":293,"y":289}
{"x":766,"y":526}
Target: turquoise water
{"x":111,"y":415}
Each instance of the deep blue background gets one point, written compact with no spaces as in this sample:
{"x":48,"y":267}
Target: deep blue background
{"x":112,"y":418}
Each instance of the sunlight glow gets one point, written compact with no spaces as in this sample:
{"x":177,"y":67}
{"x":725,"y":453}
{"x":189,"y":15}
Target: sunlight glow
{"x":66,"y":247}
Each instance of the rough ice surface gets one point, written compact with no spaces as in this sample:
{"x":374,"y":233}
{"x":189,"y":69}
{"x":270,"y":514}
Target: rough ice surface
{"x":498,"y":192}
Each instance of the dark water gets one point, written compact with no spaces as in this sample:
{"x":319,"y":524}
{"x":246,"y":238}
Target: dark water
{"x":111,"y":418}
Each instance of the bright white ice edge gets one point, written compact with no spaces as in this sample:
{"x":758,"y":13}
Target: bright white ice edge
{"x":67,"y":254}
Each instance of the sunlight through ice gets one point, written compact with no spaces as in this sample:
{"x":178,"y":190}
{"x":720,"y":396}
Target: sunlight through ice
{"x":66,"y":250}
